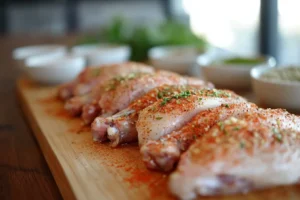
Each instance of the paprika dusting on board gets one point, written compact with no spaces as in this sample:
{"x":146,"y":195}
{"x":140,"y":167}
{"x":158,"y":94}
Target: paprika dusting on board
{"x":53,"y":106}
{"x":139,"y":177}
{"x":48,"y":100}
{"x":79,"y":128}
{"x":58,"y":112}
{"x":124,"y":161}
{"x":156,"y":185}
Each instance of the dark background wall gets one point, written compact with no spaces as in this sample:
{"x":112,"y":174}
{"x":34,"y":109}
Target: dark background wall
{"x":62,"y":16}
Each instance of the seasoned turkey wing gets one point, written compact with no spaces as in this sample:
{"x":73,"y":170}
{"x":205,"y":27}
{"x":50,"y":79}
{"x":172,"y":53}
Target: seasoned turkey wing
{"x":122,"y":92}
{"x":171,"y":113}
{"x":121,"y":126}
{"x":163,"y":154}
{"x":259,"y":150}
{"x":92,"y":76}
{"x":85,"y":78}
{"x":93,"y":87}
{"x":121,"y":95}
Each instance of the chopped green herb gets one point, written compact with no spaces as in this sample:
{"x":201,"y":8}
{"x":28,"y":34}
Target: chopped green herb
{"x":165,"y":101}
{"x":277,"y":135}
{"x":226,"y":105}
{"x":158,"y":118}
{"x":200,"y":99}
{"x":215,"y":93}
{"x":183,"y":94}
{"x":110,"y":87}
{"x":159,"y":95}
{"x":278,"y":122}
{"x":236,"y":128}
{"x":221,"y":125}
{"x":242,"y":144}
{"x":227,"y":94}
{"x":113,"y":83}
{"x":131,"y":76}
{"x":153,"y":108}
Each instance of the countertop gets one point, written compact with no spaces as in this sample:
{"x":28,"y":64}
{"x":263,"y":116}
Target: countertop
{"x":24,"y":173}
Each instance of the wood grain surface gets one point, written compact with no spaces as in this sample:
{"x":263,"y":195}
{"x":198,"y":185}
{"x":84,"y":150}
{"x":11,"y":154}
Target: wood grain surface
{"x":84,"y":169}
{"x":24,"y":174}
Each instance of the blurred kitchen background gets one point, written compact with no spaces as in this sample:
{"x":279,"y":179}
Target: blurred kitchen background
{"x":230,"y":24}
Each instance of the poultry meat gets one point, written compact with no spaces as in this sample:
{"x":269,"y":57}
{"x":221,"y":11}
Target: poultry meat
{"x":171,"y":113}
{"x":164,"y":153}
{"x":258,"y":150}
{"x":120,"y":96}
{"x":219,"y":143}
{"x":74,"y":105}
{"x":121,"y":126}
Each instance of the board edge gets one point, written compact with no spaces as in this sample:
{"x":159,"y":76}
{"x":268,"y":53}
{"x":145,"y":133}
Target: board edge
{"x":57,"y":171}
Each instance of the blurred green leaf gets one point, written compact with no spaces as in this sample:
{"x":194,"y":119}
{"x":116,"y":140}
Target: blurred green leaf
{"x":141,"y":38}
{"x":115,"y":31}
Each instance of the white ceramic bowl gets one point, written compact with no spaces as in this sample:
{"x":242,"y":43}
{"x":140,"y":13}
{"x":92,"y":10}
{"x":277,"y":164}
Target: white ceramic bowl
{"x":230,"y":76}
{"x":44,"y":69}
{"x":174,"y":58}
{"x":98,"y":54}
{"x":22,"y":53}
{"x":275,"y":94}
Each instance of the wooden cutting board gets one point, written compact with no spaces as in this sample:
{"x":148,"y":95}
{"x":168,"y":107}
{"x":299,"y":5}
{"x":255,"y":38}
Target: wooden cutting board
{"x":84,"y":169}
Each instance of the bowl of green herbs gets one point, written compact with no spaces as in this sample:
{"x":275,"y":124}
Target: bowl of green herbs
{"x":233,"y":72}
{"x":277,"y":87}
